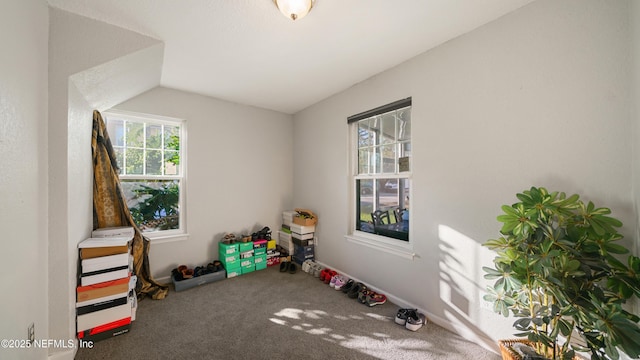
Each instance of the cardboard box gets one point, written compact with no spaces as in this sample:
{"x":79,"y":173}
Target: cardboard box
{"x":247,"y":262}
{"x":259,"y":259}
{"x":247,"y":269}
{"x":287,"y":217}
{"x":301,"y":242}
{"x":231,"y":264}
{"x":303,"y":251}
{"x":305,"y":217}
{"x":229,"y":258}
{"x":245,"y":246}
{"x":284,"y":240}
{"x":273,"y":260}
{"x":301,"y":229}
{"x":233,"y":272}
{"x":228,"y":248}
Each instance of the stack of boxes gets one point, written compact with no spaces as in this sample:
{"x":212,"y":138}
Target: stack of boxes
{"x":229,"y":254}
{"x":106,"y":301}
{"x":273,"y":255}
{"x":244,"y":256}
{"x":284,"y":235}
{"x":298,"y":233}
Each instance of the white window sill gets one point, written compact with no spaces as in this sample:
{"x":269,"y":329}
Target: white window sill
{"x":160,"y":239}
{"x":404,"y":250}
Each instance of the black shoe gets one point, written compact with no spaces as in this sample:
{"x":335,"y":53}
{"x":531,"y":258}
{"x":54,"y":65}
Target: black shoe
{"x":284,"y":266}
{"x":293,"y":268}
{"x":348,"y":286}
{"x":356,"y":289}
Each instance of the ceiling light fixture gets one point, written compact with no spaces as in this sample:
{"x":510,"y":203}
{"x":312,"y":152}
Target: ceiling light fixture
{"x":294,"y":9}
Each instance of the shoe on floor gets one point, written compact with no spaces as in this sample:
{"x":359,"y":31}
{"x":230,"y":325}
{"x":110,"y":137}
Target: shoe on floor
{"x":415,"y":320}
{"x":376,"y":299}
{"x":340,"y":281}
{"x":284,"y":266}
{"x":362,"y":296}
{"x":317,"y":269}
{"x":346,"y":287}
{"x":324,"y":273}
{"x":307,"y":266}
{"x":356,"y":289}
{"x":293,"y":268}
{"x":401,"y":316}
{"x":329,"y":276}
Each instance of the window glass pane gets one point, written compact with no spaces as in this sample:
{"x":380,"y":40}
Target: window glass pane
{"x":388,"y":128}
{"x":383,"y":209}
{"x":172,"y":159}
{"x":171,"y":137}
{"x":115,"y":129}
{"x":363,"y":161}
{"x":135,"y":158}
{"x":153,"y":203}
{"x":154,"y":136}
{"x":404,"y":124}
{"x":153,"y":163}
{"x":135,"y":134}
{"x":365,"y":135}
{"x":365,"y":203}
{"x":119,"y":158}
{"x":376,"y":160}
{"x":388,"y":158}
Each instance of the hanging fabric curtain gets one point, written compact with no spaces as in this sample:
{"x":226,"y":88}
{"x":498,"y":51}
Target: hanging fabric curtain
{"x":110,"y":207}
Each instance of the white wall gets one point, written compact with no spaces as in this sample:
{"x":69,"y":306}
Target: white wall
{"x":634,"y":16}
{"x":540,"y":97}
{"x":77,"y":45}
{"x":23,"y":168}
{"x":239,"y":172}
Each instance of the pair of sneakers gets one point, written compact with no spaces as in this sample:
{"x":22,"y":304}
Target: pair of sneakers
{"x":326,"y":275}
{"x":338,"y":281}
{"x":411,"y":319}
{"x":371,"y":298}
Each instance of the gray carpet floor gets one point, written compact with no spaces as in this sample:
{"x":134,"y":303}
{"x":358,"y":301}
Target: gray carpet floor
{"x":272,"y":315}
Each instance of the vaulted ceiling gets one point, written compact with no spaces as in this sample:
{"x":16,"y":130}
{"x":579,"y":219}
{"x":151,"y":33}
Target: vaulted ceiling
{"x":246,"y":51}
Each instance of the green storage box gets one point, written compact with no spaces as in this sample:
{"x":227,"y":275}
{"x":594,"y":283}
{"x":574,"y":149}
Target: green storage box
{"x":260,"y":251}
{"x":259,"y":259}
{"x":246,"y":246}
{"x":247,"y":269}
{"x":227,"y":258}
{"x":226,"y":248}
{"x":231,"y":264}
{"x":261,"y":266}
{"x":247,"y":262}
{"x":233,"y":272}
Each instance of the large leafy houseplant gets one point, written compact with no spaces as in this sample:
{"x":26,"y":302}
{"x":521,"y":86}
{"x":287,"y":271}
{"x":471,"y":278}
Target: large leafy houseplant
{"x":558,"y":272}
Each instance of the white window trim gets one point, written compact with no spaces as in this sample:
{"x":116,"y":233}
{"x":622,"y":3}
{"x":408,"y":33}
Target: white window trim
{"x":385,"y":244}
{"x":164,"y":236}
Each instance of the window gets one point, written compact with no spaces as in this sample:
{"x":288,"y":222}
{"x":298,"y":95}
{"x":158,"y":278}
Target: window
{"x":381,"y":146}
{"x":149,"y":151}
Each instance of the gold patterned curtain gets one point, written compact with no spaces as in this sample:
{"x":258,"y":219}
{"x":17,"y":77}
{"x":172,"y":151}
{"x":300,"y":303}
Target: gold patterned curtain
{"x":110,"y":207}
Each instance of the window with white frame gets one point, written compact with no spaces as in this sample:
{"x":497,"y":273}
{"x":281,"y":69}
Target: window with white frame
{"x":150,"y":155}
{"x":381,"y":171}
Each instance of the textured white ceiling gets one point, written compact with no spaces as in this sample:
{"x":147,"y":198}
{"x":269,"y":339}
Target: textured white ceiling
{"x":247,"y":52}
